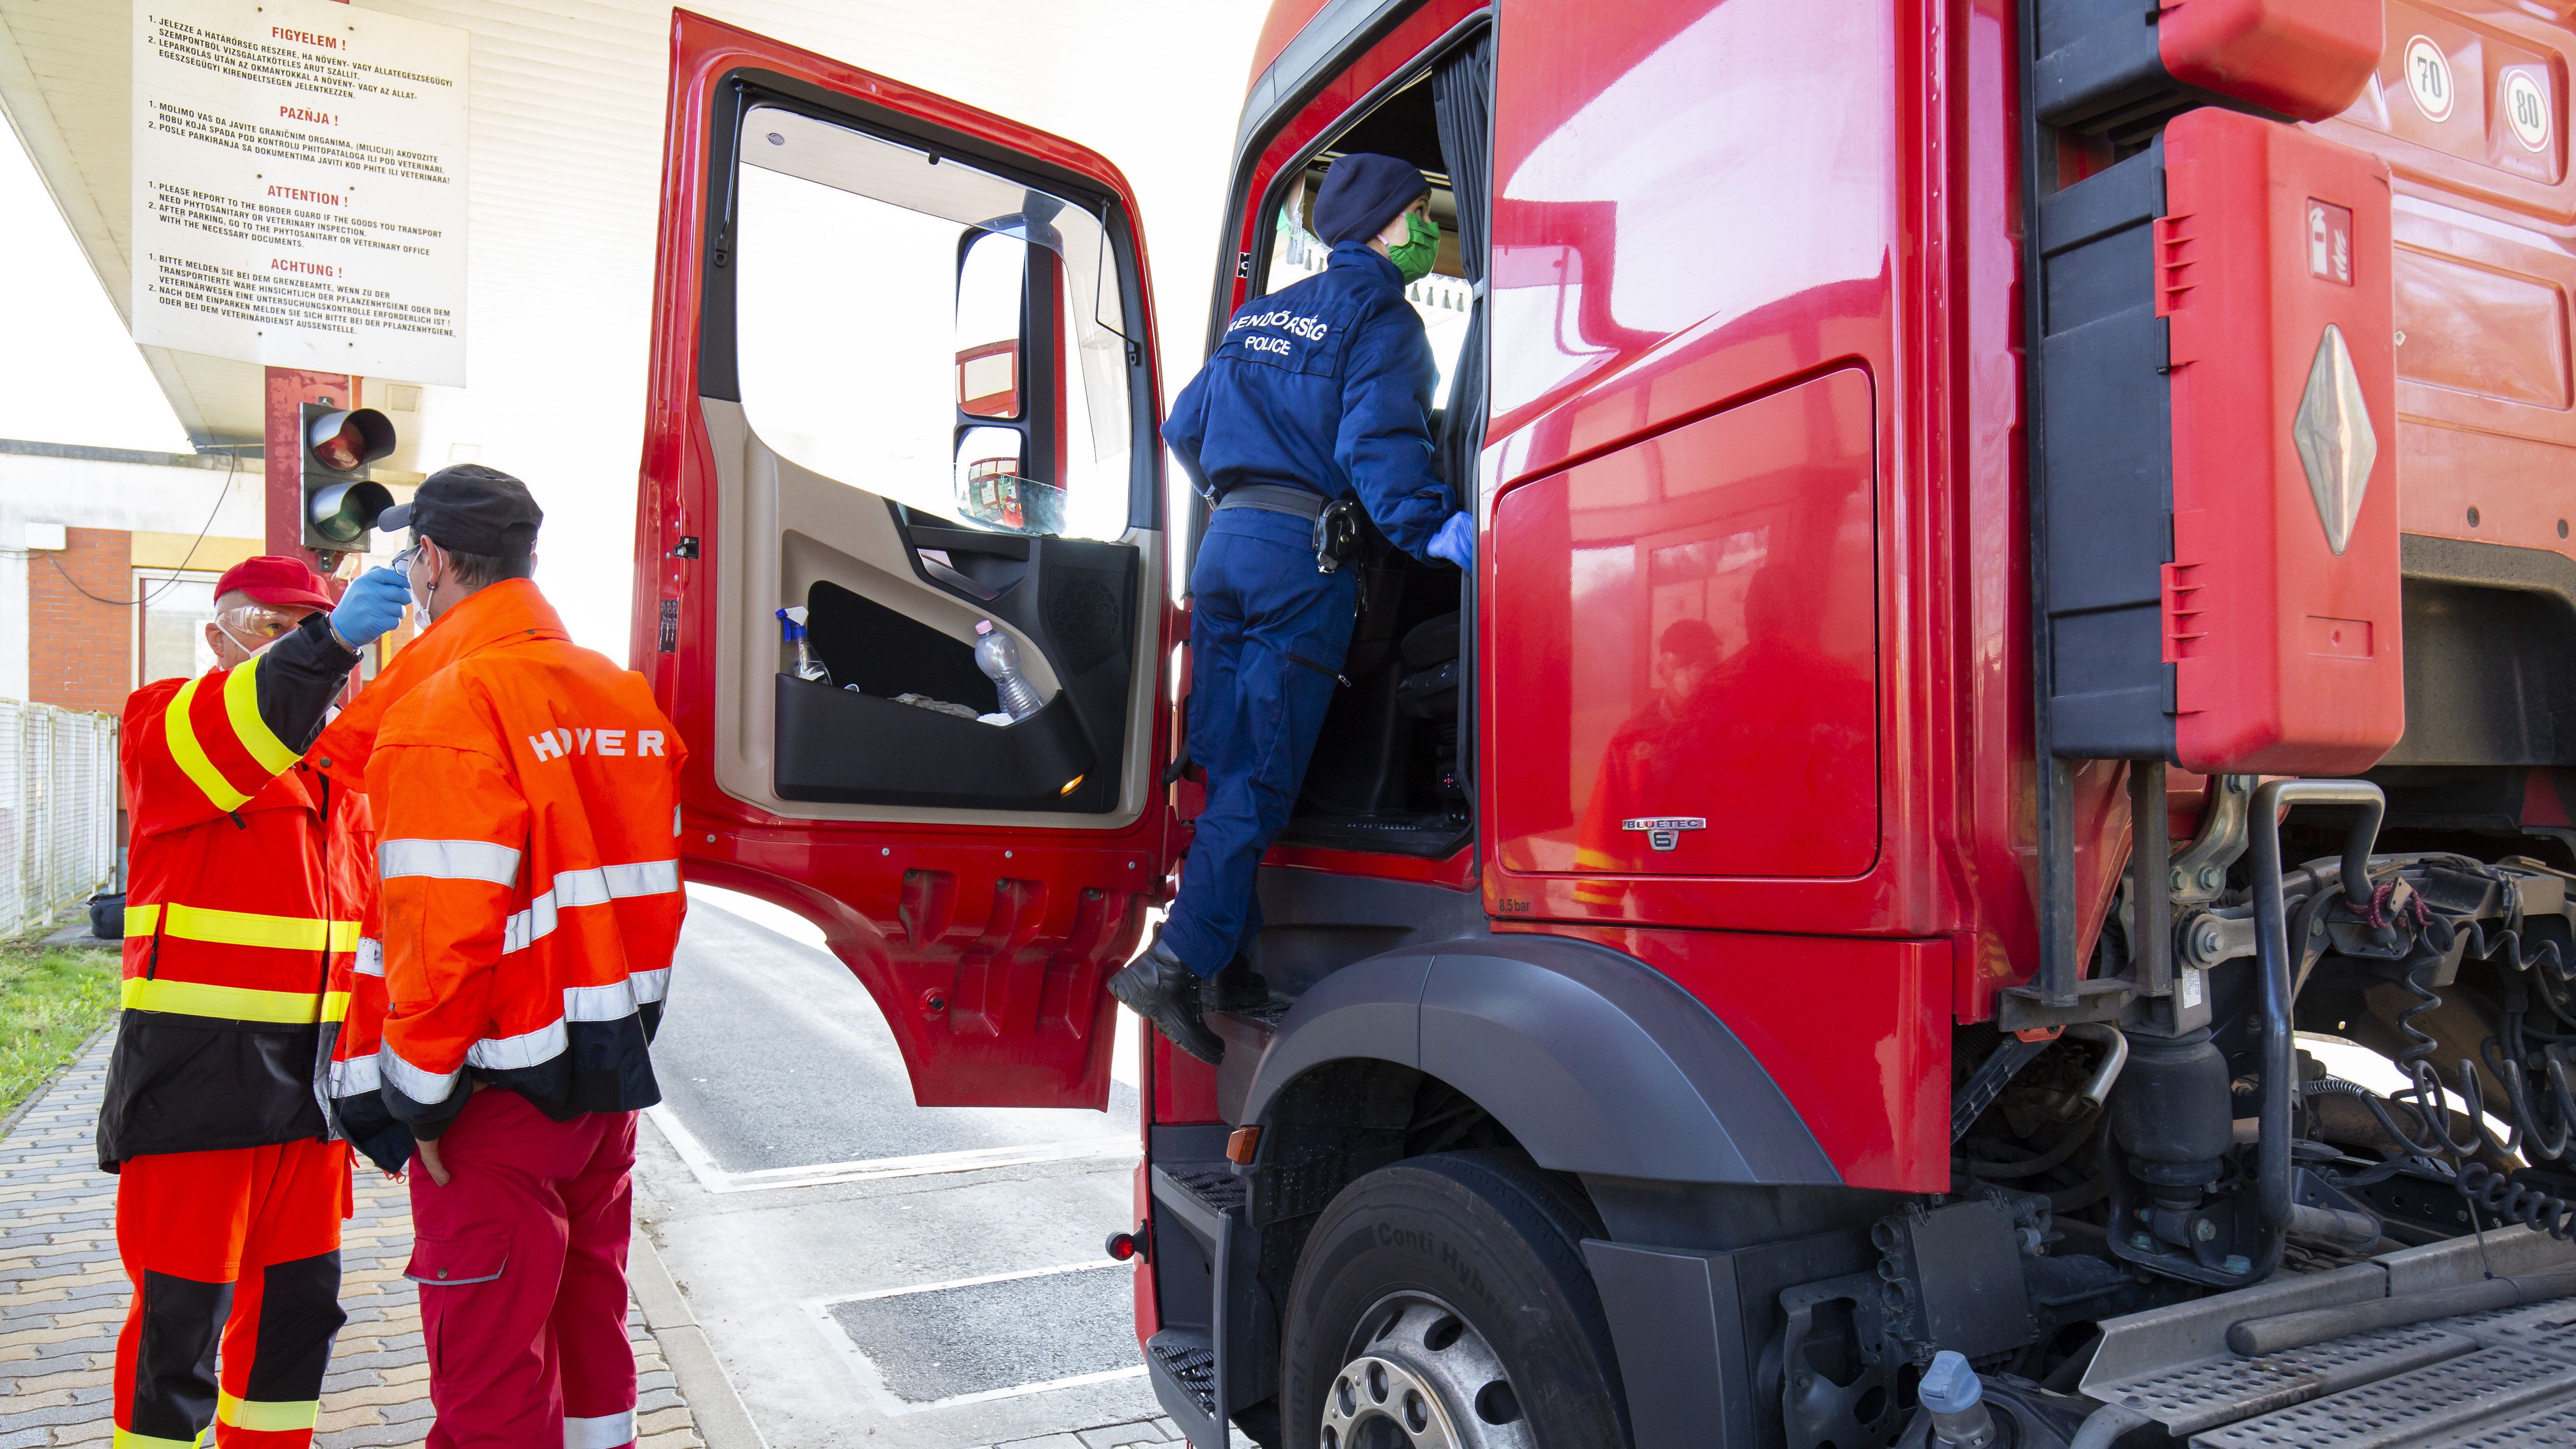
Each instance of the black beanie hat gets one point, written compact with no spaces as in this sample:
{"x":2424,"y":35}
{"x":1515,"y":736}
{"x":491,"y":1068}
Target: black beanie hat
{"x":1362,"y":193}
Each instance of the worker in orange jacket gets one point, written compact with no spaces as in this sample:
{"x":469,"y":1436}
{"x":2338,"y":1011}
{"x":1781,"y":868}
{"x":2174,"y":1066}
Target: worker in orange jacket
{"x":525,"y":793}
{"x":246,"y":871}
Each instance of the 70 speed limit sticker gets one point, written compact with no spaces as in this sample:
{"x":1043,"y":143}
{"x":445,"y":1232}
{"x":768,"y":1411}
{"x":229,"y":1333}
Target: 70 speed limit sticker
{"x":2429,"y":79}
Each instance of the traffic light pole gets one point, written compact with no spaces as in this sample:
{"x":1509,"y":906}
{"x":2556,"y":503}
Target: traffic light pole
{"x":288,"y":389}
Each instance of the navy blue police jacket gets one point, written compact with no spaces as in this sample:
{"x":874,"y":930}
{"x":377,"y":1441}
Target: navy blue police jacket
{"x":1325,"y":385}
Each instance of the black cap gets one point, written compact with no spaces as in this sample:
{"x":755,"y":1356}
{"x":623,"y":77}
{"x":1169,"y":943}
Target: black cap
{"x":471,"y":509}
{"x":1362,"y":193}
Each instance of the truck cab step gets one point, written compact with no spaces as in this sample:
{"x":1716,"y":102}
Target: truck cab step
{"x":1199,"y":1195}
{"x":1181,"y":1363}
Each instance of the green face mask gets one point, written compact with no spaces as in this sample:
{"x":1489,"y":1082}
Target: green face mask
{"x":1419,"y":249}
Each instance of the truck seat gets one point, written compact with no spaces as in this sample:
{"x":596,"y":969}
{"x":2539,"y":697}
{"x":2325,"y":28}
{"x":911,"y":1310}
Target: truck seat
{"x":1430,"y":686}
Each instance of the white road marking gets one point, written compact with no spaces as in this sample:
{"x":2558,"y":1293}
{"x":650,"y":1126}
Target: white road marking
{"x":904,"y":1292}
{"x":715,"y":1179}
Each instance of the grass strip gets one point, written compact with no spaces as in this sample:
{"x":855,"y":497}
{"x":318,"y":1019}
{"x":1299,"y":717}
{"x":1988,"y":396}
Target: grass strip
{"x":51,"y":999}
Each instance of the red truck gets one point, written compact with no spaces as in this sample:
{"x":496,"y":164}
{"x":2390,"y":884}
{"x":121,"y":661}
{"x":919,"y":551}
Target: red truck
{"x":2025,"y":623}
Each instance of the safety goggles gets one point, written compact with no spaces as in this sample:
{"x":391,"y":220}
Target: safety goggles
{"x":254,"y":624}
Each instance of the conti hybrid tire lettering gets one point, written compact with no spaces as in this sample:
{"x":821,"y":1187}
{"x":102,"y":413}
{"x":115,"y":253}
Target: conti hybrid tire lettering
{"x":1456,"y":1278}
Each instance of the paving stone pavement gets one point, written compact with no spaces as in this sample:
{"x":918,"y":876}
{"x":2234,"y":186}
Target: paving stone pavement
{"x":1155,"y":1432}
{"x":63,"y":1296}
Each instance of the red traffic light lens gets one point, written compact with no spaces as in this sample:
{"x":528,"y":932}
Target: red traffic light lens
{"x":344,"y":441}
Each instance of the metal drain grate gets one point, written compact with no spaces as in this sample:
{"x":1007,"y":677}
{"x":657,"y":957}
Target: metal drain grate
{"x":979,"y":1338}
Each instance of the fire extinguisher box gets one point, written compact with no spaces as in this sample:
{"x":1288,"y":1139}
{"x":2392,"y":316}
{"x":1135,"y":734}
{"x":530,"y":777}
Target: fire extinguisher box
{"x":2119,"y":67}
{"x":2218,"y":454}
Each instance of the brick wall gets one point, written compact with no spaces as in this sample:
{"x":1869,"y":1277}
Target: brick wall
{"x":79,"y":651}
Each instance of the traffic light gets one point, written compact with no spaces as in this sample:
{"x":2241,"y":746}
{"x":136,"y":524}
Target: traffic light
{"x":340,"y":501}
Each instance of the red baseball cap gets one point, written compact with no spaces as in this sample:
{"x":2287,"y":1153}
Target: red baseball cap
{"x":282,"y":582}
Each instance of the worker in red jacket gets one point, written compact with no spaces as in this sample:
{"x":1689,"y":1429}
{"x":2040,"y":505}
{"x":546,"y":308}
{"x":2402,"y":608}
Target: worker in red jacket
{"x":525,"y":793}
{"x":247,"y":868}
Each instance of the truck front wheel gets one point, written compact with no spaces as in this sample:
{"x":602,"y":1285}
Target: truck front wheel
{"x":1442,"y":1303}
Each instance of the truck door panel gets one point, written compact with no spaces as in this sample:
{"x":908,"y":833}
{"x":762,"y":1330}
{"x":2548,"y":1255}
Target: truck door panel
{"x":1693,"y":623}
{"x":900,"y":364}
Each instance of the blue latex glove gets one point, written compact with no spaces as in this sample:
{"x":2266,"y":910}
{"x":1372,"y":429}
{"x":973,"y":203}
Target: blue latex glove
{"x":371,"y":606}
{"x":1456,"y":541}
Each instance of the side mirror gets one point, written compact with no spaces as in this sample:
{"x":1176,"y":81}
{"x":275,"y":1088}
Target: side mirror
{"x":991,"y":281}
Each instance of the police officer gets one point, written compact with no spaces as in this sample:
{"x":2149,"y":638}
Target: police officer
{"x":1319,"y":393}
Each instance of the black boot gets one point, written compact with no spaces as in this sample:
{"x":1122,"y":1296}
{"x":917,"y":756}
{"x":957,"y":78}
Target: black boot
{"x":1236,"y":988}
{"x":1157,"y":987}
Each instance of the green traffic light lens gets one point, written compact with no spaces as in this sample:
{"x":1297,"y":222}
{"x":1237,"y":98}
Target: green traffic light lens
{"x":344,"y":512}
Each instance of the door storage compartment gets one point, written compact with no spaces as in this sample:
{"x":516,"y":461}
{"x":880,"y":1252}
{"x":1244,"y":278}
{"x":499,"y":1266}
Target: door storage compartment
{"x":840,"y":746}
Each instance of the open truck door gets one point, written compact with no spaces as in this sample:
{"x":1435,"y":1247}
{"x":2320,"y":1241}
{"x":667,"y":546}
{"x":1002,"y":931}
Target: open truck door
{"x":902,"y":378}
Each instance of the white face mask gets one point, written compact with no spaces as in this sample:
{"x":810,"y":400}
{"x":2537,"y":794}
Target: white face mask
{"x":425,"y":602}
{"x":253,"y":650}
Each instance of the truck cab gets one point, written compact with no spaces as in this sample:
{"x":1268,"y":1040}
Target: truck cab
{"x":2000,"y":785}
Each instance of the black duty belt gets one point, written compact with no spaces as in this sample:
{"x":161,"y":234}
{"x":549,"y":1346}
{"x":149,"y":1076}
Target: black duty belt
{"x":1336,"y":534}
{"x":1273,"y":498}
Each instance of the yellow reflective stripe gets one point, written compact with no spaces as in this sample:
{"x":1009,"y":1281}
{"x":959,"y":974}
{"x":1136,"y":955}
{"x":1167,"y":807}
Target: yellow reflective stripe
{"x":266,"y":1418}
{"x":128,"y":1439}
{"x":241,"y":706}
{"x":229,"y":1003}
{"x":191,"y":756}
{"x":245,"y":928}
{"x":335,"y":1006}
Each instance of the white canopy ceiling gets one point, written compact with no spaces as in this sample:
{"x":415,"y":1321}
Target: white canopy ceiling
{"x":566,"y":110}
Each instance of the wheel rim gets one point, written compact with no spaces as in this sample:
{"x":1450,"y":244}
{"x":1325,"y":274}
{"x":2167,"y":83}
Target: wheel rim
{"x":1419,"y":1376}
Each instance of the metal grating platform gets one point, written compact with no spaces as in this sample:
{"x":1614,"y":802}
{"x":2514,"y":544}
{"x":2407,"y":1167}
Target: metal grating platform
{"x":1216,"y":1186}
{"x":2400,"y":1410}
{"x":1267,"y":1013}
{"x":2212,"y":1392}
{"x":2499,"y":1380}
{"x":1192,"y":1367}
{"x":2554,"y":1428}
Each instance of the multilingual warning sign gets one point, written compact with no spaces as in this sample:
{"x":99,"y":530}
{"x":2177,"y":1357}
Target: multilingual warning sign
{"x":299,"y":186}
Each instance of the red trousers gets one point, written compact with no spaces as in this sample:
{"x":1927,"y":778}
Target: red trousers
{"x":521,"y":1262}
{"x":245,"y":1243}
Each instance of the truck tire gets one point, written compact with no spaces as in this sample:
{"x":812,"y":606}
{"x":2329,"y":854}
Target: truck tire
{"x":1442,"y":1303}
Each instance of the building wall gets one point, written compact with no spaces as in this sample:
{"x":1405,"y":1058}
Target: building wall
{"x":79,"y":648}
{"x":123,"y":510}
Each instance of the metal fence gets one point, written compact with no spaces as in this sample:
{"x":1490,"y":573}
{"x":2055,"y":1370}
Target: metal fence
{"x":57,"y":810}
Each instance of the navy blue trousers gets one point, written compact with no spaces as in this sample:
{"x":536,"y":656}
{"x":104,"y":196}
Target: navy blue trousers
{"x":1268,"y":633}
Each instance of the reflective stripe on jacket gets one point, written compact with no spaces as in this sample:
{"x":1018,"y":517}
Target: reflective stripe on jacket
{"x":530,"y":898}
{"x":247,"y":873}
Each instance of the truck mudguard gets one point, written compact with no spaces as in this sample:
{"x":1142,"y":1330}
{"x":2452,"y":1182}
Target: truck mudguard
{"x":1593,"y":1060}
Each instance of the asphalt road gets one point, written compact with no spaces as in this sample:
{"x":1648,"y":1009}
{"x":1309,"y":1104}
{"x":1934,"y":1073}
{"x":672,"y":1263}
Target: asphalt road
{"x":775,"y":1056}
{"x":964,"y":1302}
